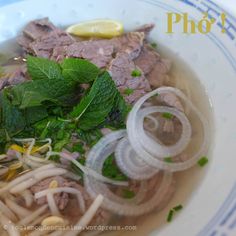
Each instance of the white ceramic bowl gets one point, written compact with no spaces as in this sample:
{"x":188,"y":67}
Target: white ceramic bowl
{"x":210,"y":210}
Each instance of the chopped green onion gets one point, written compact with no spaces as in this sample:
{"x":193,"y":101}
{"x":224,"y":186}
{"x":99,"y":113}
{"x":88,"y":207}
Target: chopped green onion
{"x":153,"y":45}
{"x":203,"y":161}
{"x":128,"y":91}
{"x":168,"y":159}
{"x":172,"y":212}
{"x":136,"y":73}
{"x":128,"y":193}
{"x":78,"y":147}
{"x":155,"y":95}
{"x":178,"y":208}
{"x":170,"y":216}
{"x":167,"y":115}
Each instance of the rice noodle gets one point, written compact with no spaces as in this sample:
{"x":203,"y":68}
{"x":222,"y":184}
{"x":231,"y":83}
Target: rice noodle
{"x":73,"y":176}
{"x":37,"y":176}
{"x":87,"y":217}
{"x":52,"y":172}
{"x":22,"y":186}
{"x":3,"y":170}
{"x":33,"y":216}
{"x":9,"y":226}
{"x":7,"y":212}
{"x":40,"y":219}
{"x":63,"y":189}
{"x":25,"y":177}
{"x":56,"y":233}
{"x":18,"y":210}
{"x":28,"y":197}
{"x":52,"y":204}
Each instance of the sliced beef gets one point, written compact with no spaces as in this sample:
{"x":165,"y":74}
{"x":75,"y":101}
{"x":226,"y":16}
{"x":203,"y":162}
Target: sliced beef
{"x":130,"y":43}
{"x":38,"y":28}
{"x":60,"y":198}
{"x":159,"y":75}
{"x":45,"y":45}
{"x":40,"y":37}
{"x":121,"y":69}
{"x":171,"y":100}
{"x":99,"y":51}
{"x":147,"y":59}
{"x":16,"y":77}
{"x":146,"y":29}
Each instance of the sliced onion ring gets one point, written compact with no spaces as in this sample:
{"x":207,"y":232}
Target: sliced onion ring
{"x":142,"y":148}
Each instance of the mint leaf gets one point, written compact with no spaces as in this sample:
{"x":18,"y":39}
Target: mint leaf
{"x":118,"y":114}
{"x":12,"y":119}
{"x":34,"y":93}
{"x":41,"y":68}
{"x":97,"y":104}
{"x":35,"y":114}
{"x":79,"y":70}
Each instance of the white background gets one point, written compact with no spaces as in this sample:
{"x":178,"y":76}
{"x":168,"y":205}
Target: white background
{"x":229,"y":5}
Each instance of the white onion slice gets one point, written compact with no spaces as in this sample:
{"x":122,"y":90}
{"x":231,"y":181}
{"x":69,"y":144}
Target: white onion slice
{"x":112,"y":202}
{"x":131,"y":164}
{"x":155,"y":148}
{"x":134,"y":136}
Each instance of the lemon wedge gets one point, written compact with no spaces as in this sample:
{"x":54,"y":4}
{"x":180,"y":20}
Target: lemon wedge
{"x":103,"y":28}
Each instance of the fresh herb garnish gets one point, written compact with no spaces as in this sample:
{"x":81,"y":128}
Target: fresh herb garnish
{"x":170,"y":216}
{"x":167,"y":115}
{"x":79,"y":70}
{"x":172,"y":212}
{"x":203,"y":161}
{"x":96,"y":106}
{"x":128,"y":91}
{"x":128,"y":193}
{"x":41,"y":68}
{"x":111,"y":170}
{"x":153,"y":45}
{"x":50,"y":104}
{"x":136,"y":73}
{"x":168,"y":159}
{"x":178,"y":208}
{"x":90,"y":137}
{"x":78,"y":147}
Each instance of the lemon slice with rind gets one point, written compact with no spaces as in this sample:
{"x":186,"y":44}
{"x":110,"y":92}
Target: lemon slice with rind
{"x":102,"y":28}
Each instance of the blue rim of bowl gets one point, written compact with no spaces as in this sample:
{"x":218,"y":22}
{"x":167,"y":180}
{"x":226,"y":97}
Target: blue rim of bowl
{"x":224,"y":221}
